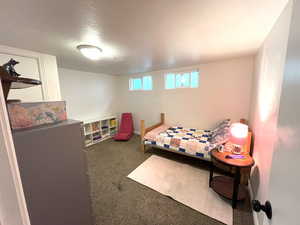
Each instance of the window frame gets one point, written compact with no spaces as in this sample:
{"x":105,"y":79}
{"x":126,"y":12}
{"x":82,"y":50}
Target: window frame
{"x":181,"y":73}
{"x":142,"y":81}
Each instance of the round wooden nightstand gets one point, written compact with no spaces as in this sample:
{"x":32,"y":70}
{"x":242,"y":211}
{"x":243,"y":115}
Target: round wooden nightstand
{"x":227,"y":186}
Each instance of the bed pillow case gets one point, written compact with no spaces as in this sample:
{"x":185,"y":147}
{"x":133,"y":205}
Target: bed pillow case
{"x":151,"y":135}
{"x":222,"y":124}
{"x":221,"y":133}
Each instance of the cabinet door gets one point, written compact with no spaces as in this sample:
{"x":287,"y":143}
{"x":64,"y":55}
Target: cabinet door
{"x":54,"y":174}
{"x":29,"y":68}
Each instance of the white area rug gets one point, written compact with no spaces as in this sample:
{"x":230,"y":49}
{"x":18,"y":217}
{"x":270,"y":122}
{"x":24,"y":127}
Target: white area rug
{"x":185,"y":184}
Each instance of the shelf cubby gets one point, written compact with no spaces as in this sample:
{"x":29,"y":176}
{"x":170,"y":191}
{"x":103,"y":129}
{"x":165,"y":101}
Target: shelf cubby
{"x":105,"y":132}
{"x":88,"y":139}
{"x":96,"y":126}
{"x":113,"y":122}
{"x":104,"y":124}
{"x":87,"y":128}
{"x":113,"y":131}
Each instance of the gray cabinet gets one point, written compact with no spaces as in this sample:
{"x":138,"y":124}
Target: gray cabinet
{"x":54,"y":175}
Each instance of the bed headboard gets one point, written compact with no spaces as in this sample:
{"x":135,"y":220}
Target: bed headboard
{"x":248,"y":145}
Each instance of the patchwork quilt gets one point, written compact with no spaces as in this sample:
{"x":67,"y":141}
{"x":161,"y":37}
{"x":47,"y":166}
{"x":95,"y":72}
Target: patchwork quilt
{"x":187,"y":140}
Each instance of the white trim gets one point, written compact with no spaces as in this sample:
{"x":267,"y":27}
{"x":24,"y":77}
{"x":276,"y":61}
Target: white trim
{"x":91,"y":120}
{"x":255,"y":215}
{"x":10,"y":149}
{"x":41,"y":67}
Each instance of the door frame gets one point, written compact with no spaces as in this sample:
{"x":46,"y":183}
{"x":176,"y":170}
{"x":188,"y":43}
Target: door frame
{"x":9,"y":148}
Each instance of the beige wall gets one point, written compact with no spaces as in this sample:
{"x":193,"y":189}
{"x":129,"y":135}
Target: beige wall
{"x":224,"y":92}
{"x":267,"y":84}
{"x":88,"y":95}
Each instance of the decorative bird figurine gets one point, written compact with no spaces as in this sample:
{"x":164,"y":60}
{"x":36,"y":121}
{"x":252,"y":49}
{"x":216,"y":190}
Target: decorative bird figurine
{"x":9,"y":67}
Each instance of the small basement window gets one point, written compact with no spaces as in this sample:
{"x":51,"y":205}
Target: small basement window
{"x":140,"y":83}
{"x":182,"y":80}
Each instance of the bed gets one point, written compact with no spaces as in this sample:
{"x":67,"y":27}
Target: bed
{"x":192,"y":142}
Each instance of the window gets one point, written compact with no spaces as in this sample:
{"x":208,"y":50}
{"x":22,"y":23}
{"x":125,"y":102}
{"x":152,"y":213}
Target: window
{"x":182,"y":80}
{"x":140,"y":83}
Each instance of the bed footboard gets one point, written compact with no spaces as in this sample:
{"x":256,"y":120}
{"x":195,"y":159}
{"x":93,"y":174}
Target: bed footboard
{"x":145,"y":130}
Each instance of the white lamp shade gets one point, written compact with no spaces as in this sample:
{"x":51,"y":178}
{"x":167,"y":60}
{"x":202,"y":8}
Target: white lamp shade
{"x":238,"y":133}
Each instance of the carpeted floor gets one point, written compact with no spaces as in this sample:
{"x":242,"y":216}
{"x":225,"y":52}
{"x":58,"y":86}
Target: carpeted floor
{"x":117,"y":200}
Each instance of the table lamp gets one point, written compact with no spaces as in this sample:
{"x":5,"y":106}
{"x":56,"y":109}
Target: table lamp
{"x":238,"y":136}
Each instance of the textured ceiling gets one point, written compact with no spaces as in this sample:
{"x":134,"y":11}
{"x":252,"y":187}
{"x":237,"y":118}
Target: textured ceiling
{"x":138,"y":35}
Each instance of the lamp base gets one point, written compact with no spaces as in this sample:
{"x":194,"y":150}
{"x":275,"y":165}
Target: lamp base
{"x":237,"y":149}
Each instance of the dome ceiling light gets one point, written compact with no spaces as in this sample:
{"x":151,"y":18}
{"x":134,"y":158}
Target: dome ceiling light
{"x":90,"y":51}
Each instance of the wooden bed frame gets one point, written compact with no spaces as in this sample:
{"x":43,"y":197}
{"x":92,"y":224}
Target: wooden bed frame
{"x":245,"y":172}
{"x":144,"y":131}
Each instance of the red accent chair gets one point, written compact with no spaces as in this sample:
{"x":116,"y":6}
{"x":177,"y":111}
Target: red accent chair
{"x":126,"y":128}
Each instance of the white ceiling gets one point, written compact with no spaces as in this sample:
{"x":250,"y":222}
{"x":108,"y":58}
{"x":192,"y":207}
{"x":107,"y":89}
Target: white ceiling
{"x":138,"y":35}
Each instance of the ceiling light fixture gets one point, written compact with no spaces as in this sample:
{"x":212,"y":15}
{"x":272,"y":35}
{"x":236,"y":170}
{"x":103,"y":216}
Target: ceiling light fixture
{"x":90,"y":51}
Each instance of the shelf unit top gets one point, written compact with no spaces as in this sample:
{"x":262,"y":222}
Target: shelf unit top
{"x":85,"y":121}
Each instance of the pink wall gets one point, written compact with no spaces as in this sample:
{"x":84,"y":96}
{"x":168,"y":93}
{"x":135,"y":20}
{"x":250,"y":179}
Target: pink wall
{"x":284,"y":180}
{"x":265,"y":103}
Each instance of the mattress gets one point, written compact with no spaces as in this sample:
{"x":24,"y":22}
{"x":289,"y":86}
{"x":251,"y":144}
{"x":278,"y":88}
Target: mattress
{"x":190,"y":141}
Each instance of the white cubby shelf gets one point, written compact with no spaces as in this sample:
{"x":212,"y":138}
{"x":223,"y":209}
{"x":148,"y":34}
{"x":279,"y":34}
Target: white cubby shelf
{"x":99,"y":129}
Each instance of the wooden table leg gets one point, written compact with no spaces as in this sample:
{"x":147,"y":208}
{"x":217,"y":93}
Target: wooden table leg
{"x":237,"y":178}
{"x":211,"y":173}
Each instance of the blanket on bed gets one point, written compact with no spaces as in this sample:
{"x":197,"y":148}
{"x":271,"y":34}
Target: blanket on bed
{"x":187,"y":140}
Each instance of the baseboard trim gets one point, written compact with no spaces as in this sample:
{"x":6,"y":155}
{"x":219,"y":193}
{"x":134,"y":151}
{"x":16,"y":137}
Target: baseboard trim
{"x":136,"y":132}
{"x":255,"y":216}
